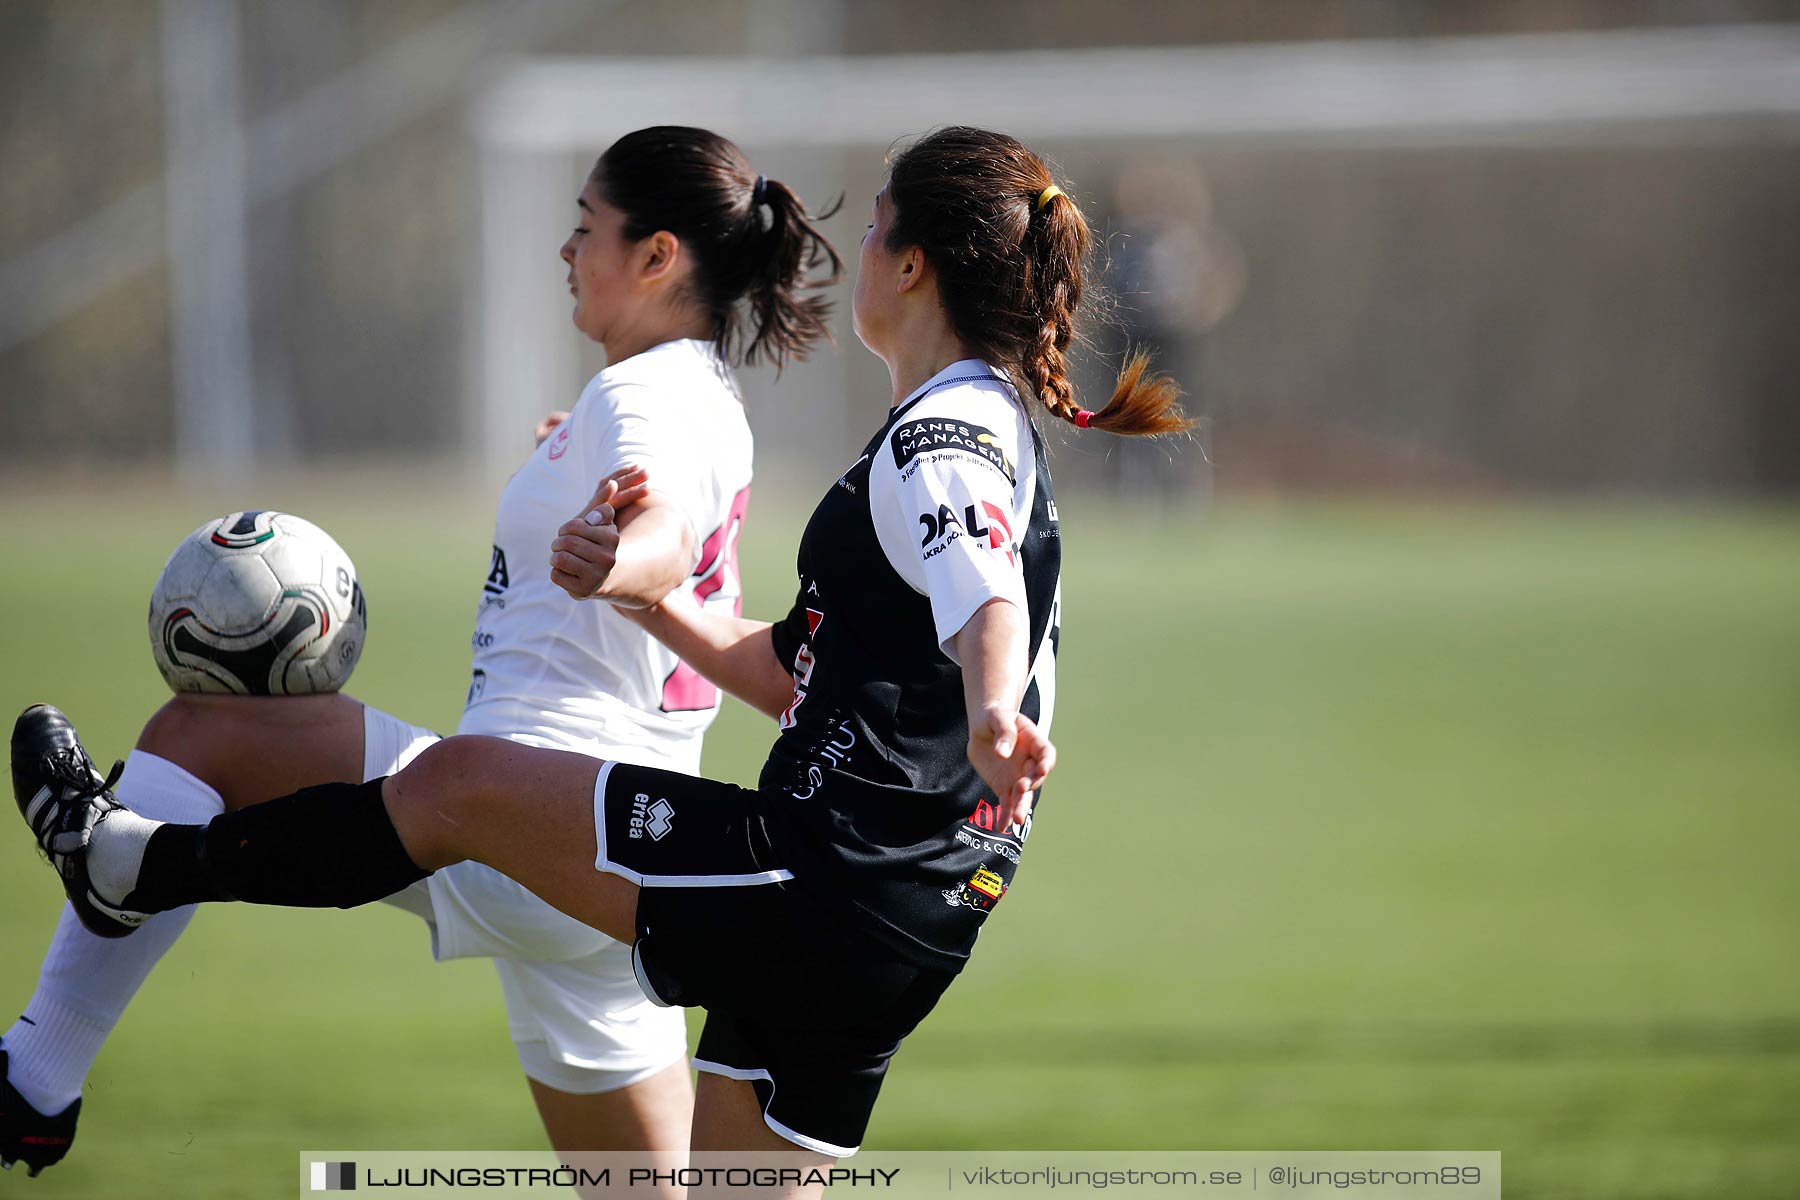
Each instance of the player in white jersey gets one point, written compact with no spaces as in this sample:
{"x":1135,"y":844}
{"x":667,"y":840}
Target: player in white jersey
{"x":581,"y":676}
{"x":683,"y":261}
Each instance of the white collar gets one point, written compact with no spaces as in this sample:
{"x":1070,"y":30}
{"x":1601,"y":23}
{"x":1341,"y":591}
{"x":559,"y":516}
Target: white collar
{"x":962,"y":368}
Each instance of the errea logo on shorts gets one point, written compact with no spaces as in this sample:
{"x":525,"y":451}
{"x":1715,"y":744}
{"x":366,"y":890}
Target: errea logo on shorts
{"x":656,"y":819}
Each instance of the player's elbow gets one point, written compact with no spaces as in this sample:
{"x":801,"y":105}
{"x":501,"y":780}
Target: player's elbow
{"x":997,"y":627}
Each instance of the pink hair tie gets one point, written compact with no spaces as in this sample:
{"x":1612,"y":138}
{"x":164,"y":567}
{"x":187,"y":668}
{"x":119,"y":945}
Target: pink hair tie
{"x":1083,"y":418}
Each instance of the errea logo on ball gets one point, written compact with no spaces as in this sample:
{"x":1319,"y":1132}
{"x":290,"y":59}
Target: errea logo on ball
{"x":334,"y":1177}
{"x":656,"y":819}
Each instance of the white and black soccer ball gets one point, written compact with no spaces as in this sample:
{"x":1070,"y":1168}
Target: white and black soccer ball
{"x":257,"y":603}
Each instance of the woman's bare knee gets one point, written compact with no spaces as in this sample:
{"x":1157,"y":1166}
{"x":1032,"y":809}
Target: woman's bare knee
{"x":435,"y":800}
{"x":463,"y":768}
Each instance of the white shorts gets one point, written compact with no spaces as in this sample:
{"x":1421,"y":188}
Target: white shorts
{"x":573,"y":1005}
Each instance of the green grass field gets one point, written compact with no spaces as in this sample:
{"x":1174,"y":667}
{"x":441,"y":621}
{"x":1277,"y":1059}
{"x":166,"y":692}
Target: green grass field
{"x":1375,"y":829}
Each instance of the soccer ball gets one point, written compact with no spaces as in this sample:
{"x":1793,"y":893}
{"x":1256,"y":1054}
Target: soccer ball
{"x":257,"y":603}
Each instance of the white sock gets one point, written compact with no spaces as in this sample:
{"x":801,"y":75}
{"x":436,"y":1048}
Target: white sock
{"x":116,"y":853}
{"x":86,"y":981}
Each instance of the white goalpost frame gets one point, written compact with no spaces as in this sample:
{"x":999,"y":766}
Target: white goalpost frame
{"x":1654,"y":87}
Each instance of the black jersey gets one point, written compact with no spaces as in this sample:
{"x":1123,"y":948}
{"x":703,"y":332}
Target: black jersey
{"x":869,"y":797}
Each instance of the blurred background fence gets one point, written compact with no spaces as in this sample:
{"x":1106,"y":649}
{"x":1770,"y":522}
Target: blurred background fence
{"x":1483,"y":248}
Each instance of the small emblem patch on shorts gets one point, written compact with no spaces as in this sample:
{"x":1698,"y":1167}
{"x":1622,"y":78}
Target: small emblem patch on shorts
{"x":656,"y":819}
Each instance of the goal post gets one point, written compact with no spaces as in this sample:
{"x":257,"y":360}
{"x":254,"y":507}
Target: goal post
{"x":540,"y":121}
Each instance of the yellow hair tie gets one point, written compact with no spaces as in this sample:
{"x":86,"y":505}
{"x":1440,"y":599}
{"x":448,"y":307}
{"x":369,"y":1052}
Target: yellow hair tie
{"x":1048,"y":194}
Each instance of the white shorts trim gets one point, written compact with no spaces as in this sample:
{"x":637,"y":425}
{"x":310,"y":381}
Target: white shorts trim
{"x":792,"y":1135}
{"x":600,"y":863}
{"x":603,"y":863}
{"x":698,"y":881}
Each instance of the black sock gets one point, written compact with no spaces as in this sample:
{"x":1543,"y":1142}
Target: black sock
{"x":331,"y":846}
{"x":173,"y":872}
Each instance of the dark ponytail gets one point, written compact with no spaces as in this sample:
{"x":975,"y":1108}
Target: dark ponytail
{"x":785,"y":322}
{"x":755,"y":246}
{"x":1010,"y":248}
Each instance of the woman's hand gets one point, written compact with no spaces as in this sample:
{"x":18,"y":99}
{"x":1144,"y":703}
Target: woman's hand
{"x":548,"y":425}
{"x":1012,"y":755}
{"x":585,"y":549}
{"x":1007,"y":749}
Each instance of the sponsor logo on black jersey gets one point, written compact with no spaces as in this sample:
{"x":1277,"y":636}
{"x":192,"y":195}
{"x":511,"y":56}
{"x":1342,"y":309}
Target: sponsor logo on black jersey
{"x":929,"y":434}
{"x":983,"y":844}
{"x":982,"y":891}
{"x":844,"y":479}
{"x":827,"y":753}
{"x":803,"y":657}
{"x":989,"y":818}
{"x":804,"y":662}
{"x":988,"y":523}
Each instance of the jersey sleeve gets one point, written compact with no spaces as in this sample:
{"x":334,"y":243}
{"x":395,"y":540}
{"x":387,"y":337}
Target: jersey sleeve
{"x":945,"y":498}
{"x":637,"y":427}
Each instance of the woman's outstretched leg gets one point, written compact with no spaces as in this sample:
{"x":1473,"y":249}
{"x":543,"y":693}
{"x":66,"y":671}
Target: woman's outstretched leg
{"x":527,"y":813}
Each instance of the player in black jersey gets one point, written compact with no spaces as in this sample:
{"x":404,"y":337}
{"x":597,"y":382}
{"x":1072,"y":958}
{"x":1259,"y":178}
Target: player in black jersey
{"x":818,"y":916}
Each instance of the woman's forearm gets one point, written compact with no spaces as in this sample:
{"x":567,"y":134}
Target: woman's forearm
{"x":1011,"y":753}
{"x":736,"y":654}
{"x":991,"y":647}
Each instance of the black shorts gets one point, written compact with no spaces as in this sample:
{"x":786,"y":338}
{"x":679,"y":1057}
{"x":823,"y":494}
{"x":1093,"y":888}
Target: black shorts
{"x":807,"y":1010}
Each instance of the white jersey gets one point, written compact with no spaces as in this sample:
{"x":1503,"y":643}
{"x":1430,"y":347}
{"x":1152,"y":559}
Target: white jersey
{"x":576,"y":675}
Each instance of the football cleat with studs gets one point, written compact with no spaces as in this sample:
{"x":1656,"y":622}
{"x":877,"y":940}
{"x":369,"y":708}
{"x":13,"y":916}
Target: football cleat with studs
{"x":63,"y":797}
{"x":27,"y":1135}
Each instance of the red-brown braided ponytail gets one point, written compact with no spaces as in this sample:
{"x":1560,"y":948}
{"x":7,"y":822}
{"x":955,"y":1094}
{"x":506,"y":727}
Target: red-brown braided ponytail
{"x":1010,"y":248}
